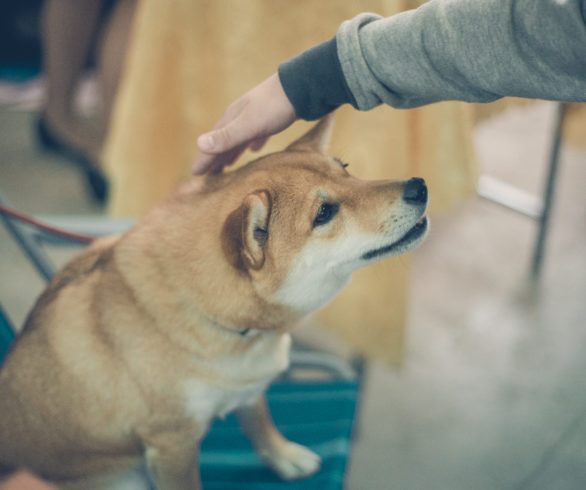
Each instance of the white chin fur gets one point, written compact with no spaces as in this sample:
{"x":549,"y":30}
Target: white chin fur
{"x":323,"y":269}
{"x":320,"y":272}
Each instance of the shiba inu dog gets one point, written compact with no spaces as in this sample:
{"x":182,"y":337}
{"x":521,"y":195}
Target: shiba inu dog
{"x":143,"y":339}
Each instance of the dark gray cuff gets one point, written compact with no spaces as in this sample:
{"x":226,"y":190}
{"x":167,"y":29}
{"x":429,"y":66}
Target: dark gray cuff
{"x":314,"y":83}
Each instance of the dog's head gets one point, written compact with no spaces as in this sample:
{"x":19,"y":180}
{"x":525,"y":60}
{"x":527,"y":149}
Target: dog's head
{"x":286,"y":231}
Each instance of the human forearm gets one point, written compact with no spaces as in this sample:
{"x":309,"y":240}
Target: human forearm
{"x":471,"y":50}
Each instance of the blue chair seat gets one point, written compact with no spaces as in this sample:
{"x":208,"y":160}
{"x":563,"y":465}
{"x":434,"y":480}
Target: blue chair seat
{"x":318,"y":415}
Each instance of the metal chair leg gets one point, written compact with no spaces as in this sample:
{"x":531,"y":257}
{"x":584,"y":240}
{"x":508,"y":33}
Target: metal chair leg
{"x":543,"y":220}
{"x":536,"y":208}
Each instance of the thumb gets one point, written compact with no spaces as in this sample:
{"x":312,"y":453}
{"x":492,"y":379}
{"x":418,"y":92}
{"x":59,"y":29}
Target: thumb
{"x":207,"y":142}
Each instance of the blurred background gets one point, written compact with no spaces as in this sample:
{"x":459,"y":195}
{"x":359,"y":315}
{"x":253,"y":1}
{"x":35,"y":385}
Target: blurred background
{"x":482,"y":385}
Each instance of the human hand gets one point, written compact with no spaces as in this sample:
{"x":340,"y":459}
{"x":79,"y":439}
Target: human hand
{"x":247,"y":123}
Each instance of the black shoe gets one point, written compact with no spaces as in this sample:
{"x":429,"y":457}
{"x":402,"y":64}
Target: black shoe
{"x":96,"y":180}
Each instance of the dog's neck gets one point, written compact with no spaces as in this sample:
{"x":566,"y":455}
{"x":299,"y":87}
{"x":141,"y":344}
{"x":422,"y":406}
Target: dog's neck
{"x":244,"y":332}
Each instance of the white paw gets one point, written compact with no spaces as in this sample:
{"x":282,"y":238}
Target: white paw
{"x":292,"y":461}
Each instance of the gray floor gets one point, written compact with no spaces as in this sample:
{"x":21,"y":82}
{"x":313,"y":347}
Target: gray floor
{"x":492,"y":393}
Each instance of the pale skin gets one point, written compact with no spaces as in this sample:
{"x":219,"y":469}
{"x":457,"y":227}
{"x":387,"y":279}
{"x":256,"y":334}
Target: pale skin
{"x":24,"y":481}
{"x":247,"y":123}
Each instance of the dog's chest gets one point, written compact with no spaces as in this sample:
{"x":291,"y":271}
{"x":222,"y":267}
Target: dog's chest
{"x":247,"y":377}
{"x":206,"y":402}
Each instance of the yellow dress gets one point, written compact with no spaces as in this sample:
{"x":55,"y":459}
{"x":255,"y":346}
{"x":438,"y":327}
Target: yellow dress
{"x":189,"y":59}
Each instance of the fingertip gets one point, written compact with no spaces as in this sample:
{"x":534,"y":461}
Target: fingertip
{"x":206,"y":142}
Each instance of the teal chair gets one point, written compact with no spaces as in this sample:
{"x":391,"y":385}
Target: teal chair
{"x":314,"y":403}
{"x":6,"y":334}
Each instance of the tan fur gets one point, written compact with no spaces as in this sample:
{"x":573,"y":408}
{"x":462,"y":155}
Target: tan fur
{"x":142,"y":340}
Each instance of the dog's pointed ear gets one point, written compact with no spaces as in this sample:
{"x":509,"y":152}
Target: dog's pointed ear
{"x":317,"y":138}
{"x":256,"y":211}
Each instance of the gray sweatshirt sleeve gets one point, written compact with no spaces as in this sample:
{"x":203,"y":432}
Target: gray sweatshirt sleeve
{"x":470,"y":50}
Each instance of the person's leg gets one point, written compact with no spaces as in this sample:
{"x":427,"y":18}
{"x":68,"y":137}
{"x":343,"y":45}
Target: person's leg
{"x":68,"y":31}
{"x":112,"y":55}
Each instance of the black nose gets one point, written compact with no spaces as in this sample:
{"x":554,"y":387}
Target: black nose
{"x":415,"y":191}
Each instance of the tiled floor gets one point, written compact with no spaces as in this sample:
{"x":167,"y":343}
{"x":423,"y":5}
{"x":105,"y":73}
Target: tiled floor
{"x":492,"y":394}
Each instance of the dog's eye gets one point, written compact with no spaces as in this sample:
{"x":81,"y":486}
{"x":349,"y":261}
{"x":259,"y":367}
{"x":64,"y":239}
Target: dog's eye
{"x":326,"y":212}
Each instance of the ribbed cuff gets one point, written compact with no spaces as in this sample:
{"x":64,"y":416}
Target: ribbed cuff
{"x":314,"y":82}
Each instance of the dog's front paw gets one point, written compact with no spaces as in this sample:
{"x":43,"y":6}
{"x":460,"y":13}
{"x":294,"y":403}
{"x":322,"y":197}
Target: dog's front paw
{"x":292,"y":461}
